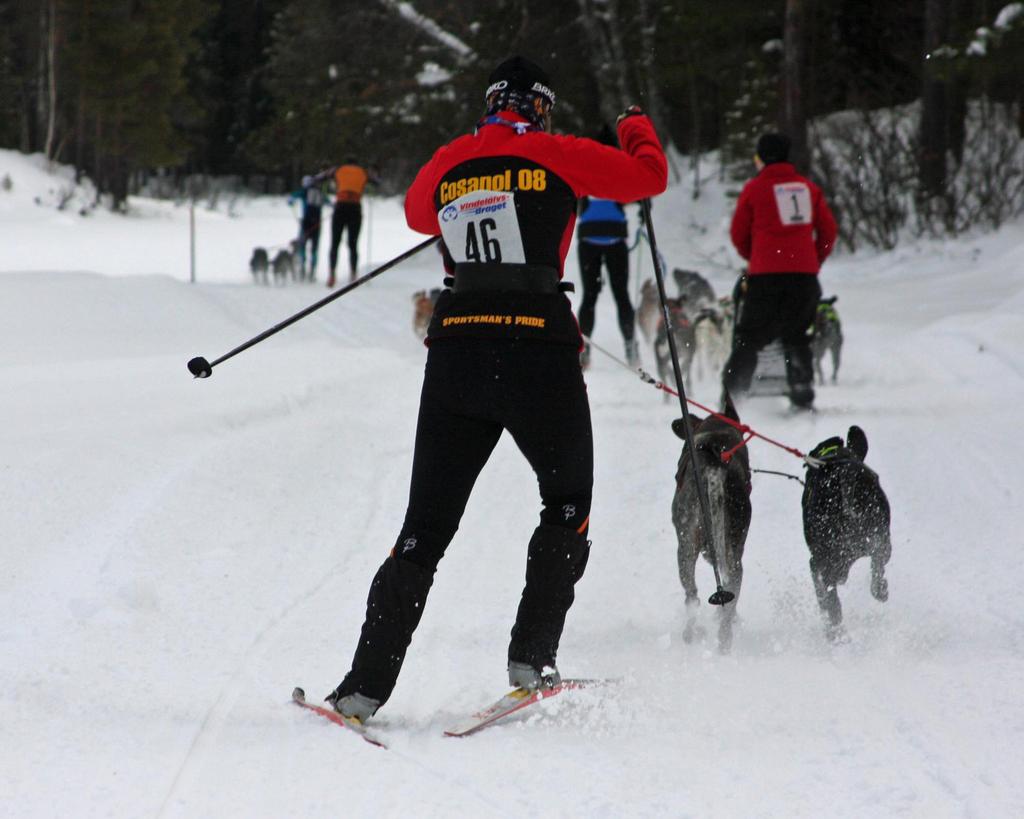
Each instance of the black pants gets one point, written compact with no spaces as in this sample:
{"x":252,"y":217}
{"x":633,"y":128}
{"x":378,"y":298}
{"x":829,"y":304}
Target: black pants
{"x":309,"y":233}
{"x":775,"y":306}
{"x":473,"y":389}
{"x":616,"y":258}
{"x":346,"y":215}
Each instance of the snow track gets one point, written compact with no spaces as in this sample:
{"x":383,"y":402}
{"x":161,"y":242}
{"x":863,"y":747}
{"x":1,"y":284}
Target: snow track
{"x":177,"y":555}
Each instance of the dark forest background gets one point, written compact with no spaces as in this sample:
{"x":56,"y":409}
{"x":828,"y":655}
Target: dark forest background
{"x":907,"y":112}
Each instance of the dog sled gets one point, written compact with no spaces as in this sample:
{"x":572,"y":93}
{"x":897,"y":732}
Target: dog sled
{"x":770,"y":375}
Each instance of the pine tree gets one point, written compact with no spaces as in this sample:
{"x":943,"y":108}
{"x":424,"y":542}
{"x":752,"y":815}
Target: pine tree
{"x":127,"y":79}
{"x":752,"y":113}
{"x":227,"y":77}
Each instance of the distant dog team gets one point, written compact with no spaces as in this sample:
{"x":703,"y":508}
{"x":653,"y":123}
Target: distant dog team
{"x":286,"y":264}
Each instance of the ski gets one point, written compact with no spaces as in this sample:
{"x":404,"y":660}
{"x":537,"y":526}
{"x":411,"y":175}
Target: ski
{"x":516,"y":700}
{"x":351,"y":723}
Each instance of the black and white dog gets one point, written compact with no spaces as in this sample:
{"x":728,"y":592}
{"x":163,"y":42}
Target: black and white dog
{"x":846,"y":517}
{"x":283,"y":265}
{"x":728,"y":487}
{"x":826,"y":337}
{"x":259,"y":263}
{"x":693,"y":287}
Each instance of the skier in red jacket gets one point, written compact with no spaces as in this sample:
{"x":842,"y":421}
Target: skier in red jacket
{"x":784,"y":229}
{"x":503,"y":354}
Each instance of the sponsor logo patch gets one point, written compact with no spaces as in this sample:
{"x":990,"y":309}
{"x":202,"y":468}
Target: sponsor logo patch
{"x":492,"y":318}
{"x":526,"y":179}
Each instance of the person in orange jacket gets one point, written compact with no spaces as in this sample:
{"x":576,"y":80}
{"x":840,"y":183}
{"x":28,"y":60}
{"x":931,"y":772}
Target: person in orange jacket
{"x":784,"y":228}
{"x":350,"y":180}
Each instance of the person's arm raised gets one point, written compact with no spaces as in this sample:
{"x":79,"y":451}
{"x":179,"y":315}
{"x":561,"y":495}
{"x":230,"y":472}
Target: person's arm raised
{"x":637,"y":171}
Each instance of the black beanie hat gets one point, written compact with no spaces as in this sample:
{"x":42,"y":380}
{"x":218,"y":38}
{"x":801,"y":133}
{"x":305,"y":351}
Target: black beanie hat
{"x":773,"y":147}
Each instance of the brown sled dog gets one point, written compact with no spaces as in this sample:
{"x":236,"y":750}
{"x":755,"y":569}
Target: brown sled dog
{"x":648,"y":311}
{"x":423,"y":302}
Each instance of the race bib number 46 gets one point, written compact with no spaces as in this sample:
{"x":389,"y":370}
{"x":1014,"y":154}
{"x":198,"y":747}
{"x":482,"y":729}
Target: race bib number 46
{"x":793,"y":200}
{"x":482,"y":227}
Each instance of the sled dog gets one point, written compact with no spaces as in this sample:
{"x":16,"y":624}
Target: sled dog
{"x":685,"y":336}
{"x":259,"y":263}
{"x":846,"y":517}
{"x":826,"y":337}
{"x":728,"y":487}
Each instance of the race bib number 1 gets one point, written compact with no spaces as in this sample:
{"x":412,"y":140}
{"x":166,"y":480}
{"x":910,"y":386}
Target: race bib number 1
{"x":793,"y":200}
{"x":482,"y":228}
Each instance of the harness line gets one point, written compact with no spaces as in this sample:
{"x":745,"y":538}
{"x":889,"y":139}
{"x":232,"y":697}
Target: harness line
{"x":781,"y":474}
{"x":744,"y":429}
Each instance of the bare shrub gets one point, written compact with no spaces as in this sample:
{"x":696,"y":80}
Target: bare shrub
{"x":867,"y":163}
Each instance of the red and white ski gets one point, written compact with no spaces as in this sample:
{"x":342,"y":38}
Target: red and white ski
{"x":353,"y":724}
{"x":515,"y":700}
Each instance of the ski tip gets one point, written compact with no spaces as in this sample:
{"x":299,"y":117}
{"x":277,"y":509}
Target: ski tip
{"x":298,"y":694}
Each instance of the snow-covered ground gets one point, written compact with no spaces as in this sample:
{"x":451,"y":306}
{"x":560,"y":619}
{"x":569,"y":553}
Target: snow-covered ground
{"x":178,"y":554}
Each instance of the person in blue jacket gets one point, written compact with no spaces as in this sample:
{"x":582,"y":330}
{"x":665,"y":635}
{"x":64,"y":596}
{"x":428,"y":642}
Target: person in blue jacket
{"x":312,"y":197}
{"x":601,"y":233}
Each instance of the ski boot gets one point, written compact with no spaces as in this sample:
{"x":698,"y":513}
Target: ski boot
{"x":523,"y":675}
{"x":801,"y":400}
{"x":585,"y":356}
{"x":801,"y":396}
{"x":353,"y":706}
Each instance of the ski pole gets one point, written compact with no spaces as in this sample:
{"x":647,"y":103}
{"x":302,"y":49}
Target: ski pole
{"x":721,"y":597}
{"x":201,"y":368}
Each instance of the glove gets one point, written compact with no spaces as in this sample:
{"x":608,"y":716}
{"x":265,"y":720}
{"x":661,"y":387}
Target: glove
{"x":632,"y":111}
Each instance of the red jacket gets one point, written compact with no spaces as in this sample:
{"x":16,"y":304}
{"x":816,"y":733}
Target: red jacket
{"x":509,"y":198}
{"x":587,"y":167}
{"x":782,"y":223}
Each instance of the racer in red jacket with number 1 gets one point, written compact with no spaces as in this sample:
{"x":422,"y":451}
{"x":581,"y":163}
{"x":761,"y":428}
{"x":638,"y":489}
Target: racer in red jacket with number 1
{"x":503,"y":356}
{"x":784,"y":229}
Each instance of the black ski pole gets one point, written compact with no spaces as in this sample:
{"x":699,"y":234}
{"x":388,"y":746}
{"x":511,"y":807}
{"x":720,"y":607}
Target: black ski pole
{"x":201,"y":368}
{"x":721,"y":597}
